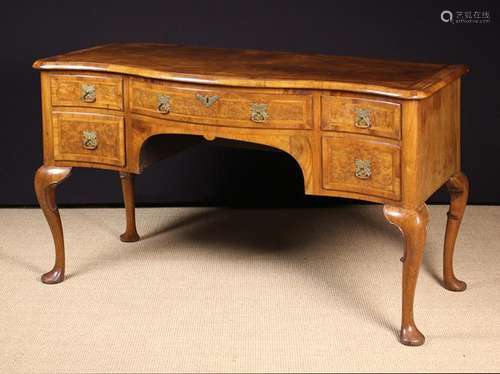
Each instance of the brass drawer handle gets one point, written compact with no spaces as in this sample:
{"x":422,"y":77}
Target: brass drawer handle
{"x":363,"y":120}
{"x":163,"y":104}
{"x":363,"y":168}
{"x":258,"y":112}
{"x":90,"y":140}
{"x":208,"y":101}
{"x":88,"y":93}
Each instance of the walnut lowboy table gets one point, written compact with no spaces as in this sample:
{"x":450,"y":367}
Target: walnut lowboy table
{"x":381,"y":131}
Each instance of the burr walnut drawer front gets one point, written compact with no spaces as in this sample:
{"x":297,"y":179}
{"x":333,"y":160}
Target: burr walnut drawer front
{"x":95,"y":91}
{"x":88,"y":137}
{"x":221,"y":106}
{"x":380,"y":117}
{"x":356,"y":163}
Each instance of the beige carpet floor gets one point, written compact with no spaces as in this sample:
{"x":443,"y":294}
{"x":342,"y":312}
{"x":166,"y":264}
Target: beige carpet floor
{"x":224,"y":290}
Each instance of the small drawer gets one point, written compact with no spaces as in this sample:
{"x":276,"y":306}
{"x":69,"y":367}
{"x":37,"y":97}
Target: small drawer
{"x":361,"y":115}
{"x":355,"y":163}
{"x":86,"y":91}
{"x":88,"y":137}
{"x":220,"y":106}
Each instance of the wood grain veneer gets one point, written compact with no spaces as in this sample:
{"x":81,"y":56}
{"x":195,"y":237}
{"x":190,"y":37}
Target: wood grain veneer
{"x":344,"y":112}
{"x":252,"y":68}
{"x":232,"y":106}
{"x":340,"y":153}
{"x":69,"y":126}
{"x":66,"y":90}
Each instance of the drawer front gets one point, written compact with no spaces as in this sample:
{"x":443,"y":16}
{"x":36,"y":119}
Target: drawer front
{"x":356,"y":164}
{"x":222,"y":107}
{"x":97,"y":138}
{"x":361,"y":115}
{"x":86,"y":91}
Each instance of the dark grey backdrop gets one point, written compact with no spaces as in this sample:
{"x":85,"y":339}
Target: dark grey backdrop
{"x":220,"y":176}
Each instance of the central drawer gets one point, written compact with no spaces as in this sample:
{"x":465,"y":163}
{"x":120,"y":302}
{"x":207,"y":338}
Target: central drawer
{"x":221,"y":106}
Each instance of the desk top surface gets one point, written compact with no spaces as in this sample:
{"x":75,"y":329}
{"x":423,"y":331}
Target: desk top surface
{"x":253,"y":68}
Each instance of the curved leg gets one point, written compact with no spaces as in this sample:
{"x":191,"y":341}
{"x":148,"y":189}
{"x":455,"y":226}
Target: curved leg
{"x":47,"y":178}
{"x":413,"y":226}
{"x":130,"y":234}
{"x":458,"y":187}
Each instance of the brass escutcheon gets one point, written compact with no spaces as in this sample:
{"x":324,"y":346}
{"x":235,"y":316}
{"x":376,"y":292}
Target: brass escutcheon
{"x":362,"y":118}
{"x":90,"y":140}
{"x":363,"y":168}
{"x":258,"y":112}
{"x":163,"y":104}
{"x":88,"y":93}
{"x":208,"y":101}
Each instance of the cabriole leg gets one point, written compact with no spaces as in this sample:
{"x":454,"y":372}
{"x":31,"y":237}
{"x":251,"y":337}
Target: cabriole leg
{"x":458,"y":187}
{"x":413,"y":226}
{"x":130,"y":234}
{"x":47,"y":178}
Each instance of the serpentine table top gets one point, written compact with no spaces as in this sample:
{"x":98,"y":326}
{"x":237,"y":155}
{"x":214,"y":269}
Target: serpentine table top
{"x":254,"y":68}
